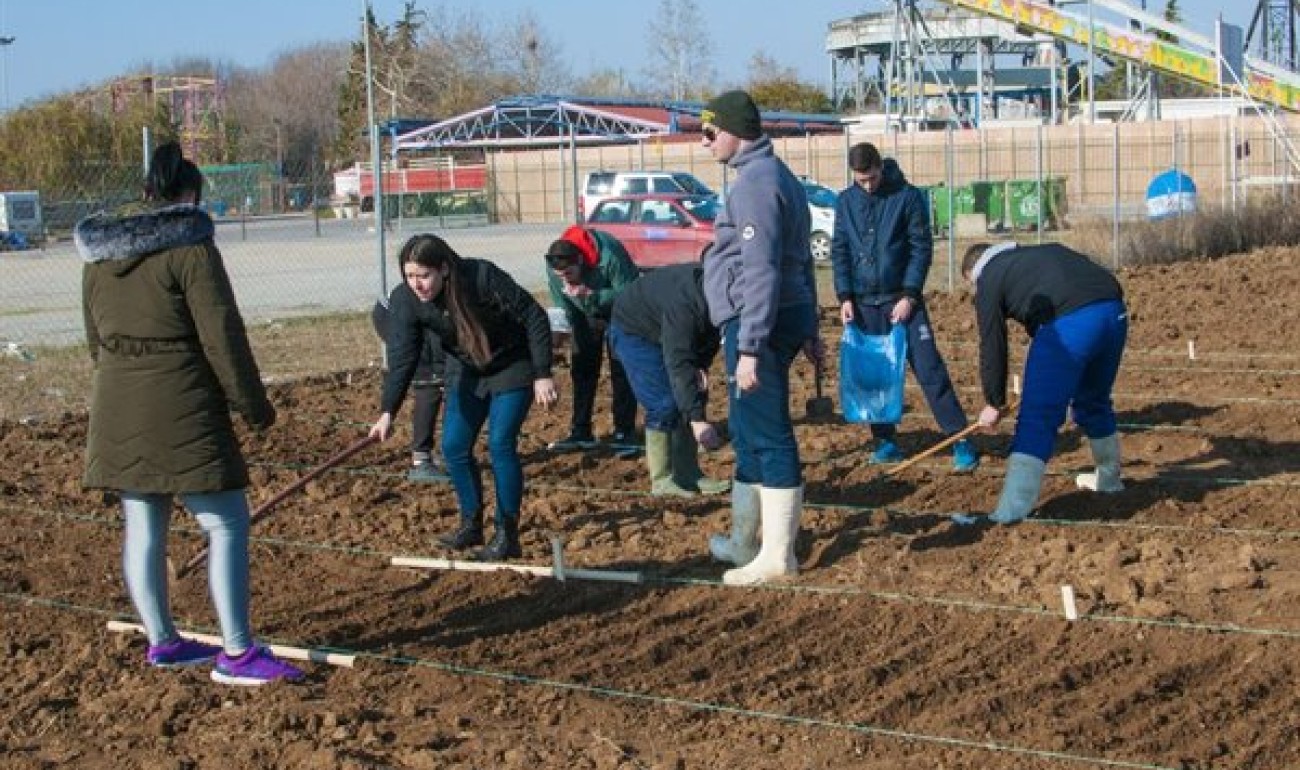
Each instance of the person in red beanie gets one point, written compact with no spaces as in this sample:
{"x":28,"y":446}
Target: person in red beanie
{"x":588,"y":269}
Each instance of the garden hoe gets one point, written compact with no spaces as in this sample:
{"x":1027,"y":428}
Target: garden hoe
{"x":265,"y":508}
{"x":819,"y":408}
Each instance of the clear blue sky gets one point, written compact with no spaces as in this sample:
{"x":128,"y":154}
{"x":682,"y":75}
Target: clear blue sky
{"x":62,"y":45}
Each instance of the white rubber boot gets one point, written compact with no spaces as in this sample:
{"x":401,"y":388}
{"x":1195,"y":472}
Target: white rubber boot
{"x":1020,"y":489}
{"x":742,"y":545}
{"x":779,"y":510}
{"x":1105,"y":453}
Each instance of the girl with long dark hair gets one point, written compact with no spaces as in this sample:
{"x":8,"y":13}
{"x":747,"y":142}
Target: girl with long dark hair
{"x":497,"y":340}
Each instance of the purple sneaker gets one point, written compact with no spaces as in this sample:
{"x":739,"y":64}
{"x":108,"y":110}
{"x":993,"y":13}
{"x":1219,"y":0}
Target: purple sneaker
{"x":181,"y":652}
{"x":257,"y":666}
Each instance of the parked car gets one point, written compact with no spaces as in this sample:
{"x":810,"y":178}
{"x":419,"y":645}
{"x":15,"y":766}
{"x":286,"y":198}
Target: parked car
{"x":599,"y":185}
{"x":658,"y":229}
{"x":821,"y":208}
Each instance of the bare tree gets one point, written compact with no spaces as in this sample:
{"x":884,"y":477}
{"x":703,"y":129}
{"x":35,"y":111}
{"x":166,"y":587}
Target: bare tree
{"x":681,"y":64}
{"x":777,"y":87}
{"x":289,"y":111}
{"x":608,"y":82}
{"x":538,"y":64}
{"x":457,"y":65}
{"x":394,"y":71}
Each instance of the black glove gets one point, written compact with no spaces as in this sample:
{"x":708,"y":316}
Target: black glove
{"x":262,"y":418}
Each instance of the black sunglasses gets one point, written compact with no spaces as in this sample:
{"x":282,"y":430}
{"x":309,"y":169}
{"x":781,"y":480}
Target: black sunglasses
{"x":560,"y":261}
{"x":709,"y":132}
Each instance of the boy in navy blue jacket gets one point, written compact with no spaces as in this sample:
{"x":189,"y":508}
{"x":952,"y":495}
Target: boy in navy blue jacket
{"x":881,"y":254}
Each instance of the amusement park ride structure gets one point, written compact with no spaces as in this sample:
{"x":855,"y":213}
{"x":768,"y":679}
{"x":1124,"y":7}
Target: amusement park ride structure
{"x":919,"y":81}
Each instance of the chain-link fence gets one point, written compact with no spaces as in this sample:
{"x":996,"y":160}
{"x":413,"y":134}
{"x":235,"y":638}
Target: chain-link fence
{"x":302,"y":242}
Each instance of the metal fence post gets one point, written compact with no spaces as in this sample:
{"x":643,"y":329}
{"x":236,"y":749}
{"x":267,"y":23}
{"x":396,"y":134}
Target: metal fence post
{"x":1233,"y":172}
{"x":952,"y":217}
{"x":1039,"y":176}
{"x":1114,"y":164}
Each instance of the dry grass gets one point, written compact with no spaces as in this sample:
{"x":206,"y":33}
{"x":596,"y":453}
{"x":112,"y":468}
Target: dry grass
{"x":1213,"y":232}
{"x":56,"y":380}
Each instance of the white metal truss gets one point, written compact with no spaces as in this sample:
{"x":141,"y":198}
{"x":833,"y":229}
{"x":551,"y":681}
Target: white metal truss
{"x":533,"y":121}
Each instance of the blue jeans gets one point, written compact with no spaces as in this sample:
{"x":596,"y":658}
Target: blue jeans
{"x":647,"y":373}
{"x":926,"y":362}
{"x":762,"y":431}
{"x":1072,"y":363}
{"x":465,"y":412}
{"x":224,"y":519}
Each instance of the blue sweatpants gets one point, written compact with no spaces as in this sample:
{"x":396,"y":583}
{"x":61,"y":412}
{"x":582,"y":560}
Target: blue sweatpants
{"x":1071,"y":365}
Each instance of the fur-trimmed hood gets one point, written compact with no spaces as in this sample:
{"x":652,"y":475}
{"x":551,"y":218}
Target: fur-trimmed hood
{"x":101,"y":237}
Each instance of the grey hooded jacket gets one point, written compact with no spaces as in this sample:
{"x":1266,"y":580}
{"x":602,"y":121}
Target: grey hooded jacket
{"x":761,"y":260}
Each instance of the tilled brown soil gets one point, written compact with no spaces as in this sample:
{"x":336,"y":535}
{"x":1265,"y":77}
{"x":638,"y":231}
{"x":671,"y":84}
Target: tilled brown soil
{"x":904,"y":643}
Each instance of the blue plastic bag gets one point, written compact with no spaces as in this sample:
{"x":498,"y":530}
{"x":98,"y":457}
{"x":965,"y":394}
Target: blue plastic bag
{"x":872,"y":372}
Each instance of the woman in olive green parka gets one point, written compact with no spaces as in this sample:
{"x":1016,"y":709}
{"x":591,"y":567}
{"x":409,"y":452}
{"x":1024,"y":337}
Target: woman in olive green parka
{"x":171,"y":356}
{"x":171,"y":360}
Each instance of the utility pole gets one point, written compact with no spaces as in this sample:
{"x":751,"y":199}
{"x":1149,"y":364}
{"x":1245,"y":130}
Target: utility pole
{"x":376,"y":160}
{"x":5,"y":42}
{"x":279,"y":166}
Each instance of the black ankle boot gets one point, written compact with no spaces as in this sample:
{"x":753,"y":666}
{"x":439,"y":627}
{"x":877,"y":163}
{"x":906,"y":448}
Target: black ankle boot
{"x":504,"y":545}
{"x":467,"y":535}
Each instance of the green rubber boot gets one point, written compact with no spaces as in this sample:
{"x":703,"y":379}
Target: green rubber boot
{"x":685,"y":455}
{"x":658,"y":457}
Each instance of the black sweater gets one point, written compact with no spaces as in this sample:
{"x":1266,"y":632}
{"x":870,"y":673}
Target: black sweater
{"x":1032,"y":285}
{"x":518,"y":333}
{"x":667,"y":306}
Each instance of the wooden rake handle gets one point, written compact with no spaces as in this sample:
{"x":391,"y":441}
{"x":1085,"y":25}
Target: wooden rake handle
{"x":947,"y":442}
{"x":265,"y":508}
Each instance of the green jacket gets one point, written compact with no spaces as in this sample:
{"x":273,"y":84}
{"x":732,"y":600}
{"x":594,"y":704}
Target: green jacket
{"x":612,"y":272}
{"x":171,"y":355}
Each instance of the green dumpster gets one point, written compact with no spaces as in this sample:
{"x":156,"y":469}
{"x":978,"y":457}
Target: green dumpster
{"x":990,"y":200}
{"x":1025,"y":197}
{"x":942,"y":203}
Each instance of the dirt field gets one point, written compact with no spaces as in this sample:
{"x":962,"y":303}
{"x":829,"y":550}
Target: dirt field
{"x":905,"y":643}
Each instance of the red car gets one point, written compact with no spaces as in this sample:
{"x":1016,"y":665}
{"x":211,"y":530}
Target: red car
{"x":660,"y":229}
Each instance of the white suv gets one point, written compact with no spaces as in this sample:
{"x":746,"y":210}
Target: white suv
{"x":600,"y":185}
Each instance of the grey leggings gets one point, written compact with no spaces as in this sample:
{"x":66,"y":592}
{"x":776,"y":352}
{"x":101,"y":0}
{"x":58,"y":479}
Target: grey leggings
{"x":224,"y":519}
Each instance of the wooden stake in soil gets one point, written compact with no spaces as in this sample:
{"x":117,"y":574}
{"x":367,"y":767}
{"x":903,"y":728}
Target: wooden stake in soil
{"x":1191,"y":350}
{"x":292,"y":653}
{"x":1067,"y":599}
